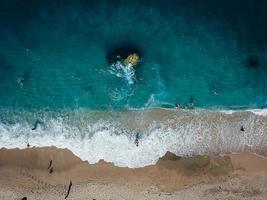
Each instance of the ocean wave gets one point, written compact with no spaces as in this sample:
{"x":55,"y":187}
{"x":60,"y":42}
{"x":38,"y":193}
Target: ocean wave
{"x":95,"y":135}
{"x":262,"y":112}
{"x":126,"y":72}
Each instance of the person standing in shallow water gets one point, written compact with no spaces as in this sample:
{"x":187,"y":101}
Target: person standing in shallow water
{"x":191,"y":103}
{"x":36,"y":124}
{"x":136,"y":141}
{"x":177,"y":105}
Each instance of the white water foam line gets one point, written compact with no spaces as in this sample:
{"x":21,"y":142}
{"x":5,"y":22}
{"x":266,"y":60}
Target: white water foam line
{"x":184,"y":136}
{"x":262,"y":112}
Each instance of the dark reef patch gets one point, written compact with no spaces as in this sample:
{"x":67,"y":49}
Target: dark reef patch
{"x":253,"y":61}
{"x":120,"y":52}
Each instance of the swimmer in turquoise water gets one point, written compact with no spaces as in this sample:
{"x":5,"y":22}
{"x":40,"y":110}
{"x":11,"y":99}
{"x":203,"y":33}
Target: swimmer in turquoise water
{"x":191,"y":103}
{"x":136,"y":141}
{"x":215,"y":93}
{"x":21,"y":82}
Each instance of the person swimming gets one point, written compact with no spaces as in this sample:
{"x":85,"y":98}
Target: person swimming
{"x":191,"y":103}
{"x":21,"y":82}
{"x":136,"y":141}
{"x":215,"y":93}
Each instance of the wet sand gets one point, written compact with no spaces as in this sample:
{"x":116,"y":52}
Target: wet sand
{"x":25,"y":173}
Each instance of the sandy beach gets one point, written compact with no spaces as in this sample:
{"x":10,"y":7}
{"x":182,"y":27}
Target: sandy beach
{"x":133,"y":100}
{"x":24,"y":173}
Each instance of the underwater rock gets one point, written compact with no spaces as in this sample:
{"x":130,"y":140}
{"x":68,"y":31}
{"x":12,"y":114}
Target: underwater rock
{"x":132,"y":59}
{"x":253,"y":61}
{"x":126,"y":54}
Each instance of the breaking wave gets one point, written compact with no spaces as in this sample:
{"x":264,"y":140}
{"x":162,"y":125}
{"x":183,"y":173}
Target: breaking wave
{"x":126,"y":72}
{"x":95,"y":135}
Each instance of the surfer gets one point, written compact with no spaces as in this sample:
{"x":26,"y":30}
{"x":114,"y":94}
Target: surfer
{"x":136,"y":141}
{"x":36,"y":124}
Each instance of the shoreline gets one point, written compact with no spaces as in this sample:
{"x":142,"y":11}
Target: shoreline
{"x":96,"y":135}
{"x":171,"y":176}
{"x":256,"y":111}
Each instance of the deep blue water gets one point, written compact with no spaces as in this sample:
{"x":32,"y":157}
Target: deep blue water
{"x":190,"y":49}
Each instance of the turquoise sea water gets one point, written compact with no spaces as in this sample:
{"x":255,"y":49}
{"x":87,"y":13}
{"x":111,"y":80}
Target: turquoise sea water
{"x":58,"y":88}
{"x":189,"y":49}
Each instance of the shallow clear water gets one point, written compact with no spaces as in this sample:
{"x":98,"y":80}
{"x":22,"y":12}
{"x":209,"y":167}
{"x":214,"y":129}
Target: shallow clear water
{"x":212,"y":53}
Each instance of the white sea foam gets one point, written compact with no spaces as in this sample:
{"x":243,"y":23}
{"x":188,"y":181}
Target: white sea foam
{"x":262,"y":112}
{"x":229,"y":112}
{"x":127,"y":72}
{"x":185,"y":133}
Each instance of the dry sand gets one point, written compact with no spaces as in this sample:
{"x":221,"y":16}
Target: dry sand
{"x":236,"y":176}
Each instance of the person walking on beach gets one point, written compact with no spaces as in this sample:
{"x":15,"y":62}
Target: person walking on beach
{"x":68,"y":190}
{"x":136,"y":141}
{"x":50,"y":167}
